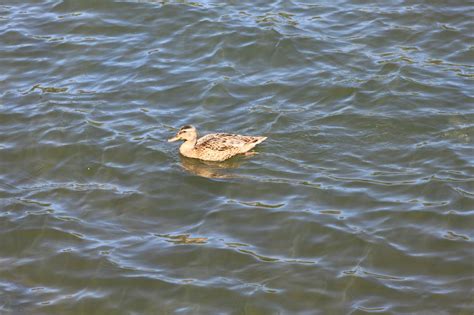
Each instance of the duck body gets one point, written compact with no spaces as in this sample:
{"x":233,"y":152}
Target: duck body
{"x":216,"y":146}
{"x":220,"y":146}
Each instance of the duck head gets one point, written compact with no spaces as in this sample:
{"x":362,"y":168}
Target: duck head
{"x":186,"y":133}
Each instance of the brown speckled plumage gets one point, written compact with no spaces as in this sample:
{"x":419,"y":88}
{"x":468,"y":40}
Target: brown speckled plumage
{"x":214,"y":147}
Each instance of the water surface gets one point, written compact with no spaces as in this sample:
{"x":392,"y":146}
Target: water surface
{"x":361,"y":200}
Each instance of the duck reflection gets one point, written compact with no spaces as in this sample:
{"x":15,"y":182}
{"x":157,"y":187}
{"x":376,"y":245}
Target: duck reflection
{"x":210,"y":169}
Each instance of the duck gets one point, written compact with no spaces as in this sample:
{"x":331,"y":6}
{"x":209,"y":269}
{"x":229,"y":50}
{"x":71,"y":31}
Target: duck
{"x":216,"y":147}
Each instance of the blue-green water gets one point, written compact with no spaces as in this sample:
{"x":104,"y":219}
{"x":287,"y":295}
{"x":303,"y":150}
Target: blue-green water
{"x":360,"y":201}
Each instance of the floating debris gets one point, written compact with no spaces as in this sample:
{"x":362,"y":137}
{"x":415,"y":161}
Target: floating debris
{"x":184,"y":239}
{"x":47,"y":89}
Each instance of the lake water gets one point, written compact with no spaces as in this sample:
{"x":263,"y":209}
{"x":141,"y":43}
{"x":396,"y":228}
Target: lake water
{"x":360,"y":201}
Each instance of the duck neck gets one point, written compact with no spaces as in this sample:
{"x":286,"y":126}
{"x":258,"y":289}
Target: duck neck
{"x":188,"y":146}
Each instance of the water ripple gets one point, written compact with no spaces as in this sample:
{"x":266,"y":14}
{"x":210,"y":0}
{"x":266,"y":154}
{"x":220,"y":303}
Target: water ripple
{"x":361,"y":199}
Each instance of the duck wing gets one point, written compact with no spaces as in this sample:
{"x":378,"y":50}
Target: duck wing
{"x":227,"y":142}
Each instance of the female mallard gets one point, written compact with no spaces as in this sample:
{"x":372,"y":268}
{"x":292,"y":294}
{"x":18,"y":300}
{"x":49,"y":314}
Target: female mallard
{"x":215,"y":146}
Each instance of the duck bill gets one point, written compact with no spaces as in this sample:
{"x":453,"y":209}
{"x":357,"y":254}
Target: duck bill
{"x":173,"y":139}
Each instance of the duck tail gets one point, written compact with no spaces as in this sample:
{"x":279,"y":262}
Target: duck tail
{"x":255,"y":141}
{"x":260,"y":140}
